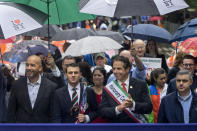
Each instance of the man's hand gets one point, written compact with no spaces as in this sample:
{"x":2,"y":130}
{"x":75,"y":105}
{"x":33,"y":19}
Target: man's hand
{"x":133,"y":52}
{"x":81,"y":118}
{"x":126,"y":104}
{"x":50,"y":63}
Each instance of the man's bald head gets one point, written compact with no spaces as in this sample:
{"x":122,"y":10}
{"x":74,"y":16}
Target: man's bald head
{"x":139,"y":46}
{"x":35,"y":58}
{"x":126,"y":54}
{"x":138,"y":41}
{"x":33,"y":68}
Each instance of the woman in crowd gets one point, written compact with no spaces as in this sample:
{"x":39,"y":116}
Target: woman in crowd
{"x":86,"y":73}
{"x":177,"y":65}
{"x":158,"y":89}
{"x":99,"y":81}
{"x":152,"y":49}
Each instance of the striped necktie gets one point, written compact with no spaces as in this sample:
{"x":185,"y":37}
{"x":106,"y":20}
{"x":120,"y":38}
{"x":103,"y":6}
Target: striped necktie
{"x":74,"y":98}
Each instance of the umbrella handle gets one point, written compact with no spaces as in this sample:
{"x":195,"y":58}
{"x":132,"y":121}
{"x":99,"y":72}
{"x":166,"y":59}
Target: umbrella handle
{"x":1,"y":57}
{"x":132,"y":35}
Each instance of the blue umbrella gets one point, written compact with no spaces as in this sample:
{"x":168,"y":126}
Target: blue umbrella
{"x":15,"y":57}
{"x":22,"y":54}
{"x":187,"y":30}
{"x":147,"y":32}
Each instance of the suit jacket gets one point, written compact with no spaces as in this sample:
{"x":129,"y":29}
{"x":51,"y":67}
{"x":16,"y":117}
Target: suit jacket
{"x":19,"y":107}
{"x":3,"y":108}
{"x":62,"y":105}
{"x":138,"y":92}
{"x":171,"y":110}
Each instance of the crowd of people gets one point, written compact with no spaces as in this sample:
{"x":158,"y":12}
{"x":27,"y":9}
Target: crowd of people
{"x":105,"y":90}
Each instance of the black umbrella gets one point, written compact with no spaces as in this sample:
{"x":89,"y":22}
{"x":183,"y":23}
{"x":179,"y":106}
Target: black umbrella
{"x":43,"y":31}
{"x":73,"y":34}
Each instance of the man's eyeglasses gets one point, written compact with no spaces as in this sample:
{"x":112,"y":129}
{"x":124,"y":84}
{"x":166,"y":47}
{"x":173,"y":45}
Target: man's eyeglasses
{"x":186,"y":65}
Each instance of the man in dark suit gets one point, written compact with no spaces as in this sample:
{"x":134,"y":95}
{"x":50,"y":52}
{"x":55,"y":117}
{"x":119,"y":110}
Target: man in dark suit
{"x":3,"y":108}
{"x":138,"y":102}
{"x":68,"y":98}
{"x":179,"y":106}
{"x":31,"y":96}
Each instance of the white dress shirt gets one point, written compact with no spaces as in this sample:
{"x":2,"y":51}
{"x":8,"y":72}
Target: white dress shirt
{"x":33,"y":90}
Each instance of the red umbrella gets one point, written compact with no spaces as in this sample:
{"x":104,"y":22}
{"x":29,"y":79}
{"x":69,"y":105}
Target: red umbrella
{"x":155,"y":18}
{"x":189,"y":46}
{"x":8,"y":40}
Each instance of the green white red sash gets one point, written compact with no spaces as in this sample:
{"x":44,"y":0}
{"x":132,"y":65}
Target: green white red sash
{"x":119,"y":95}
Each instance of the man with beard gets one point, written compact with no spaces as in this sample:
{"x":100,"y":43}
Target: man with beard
{"x":31,"y":96}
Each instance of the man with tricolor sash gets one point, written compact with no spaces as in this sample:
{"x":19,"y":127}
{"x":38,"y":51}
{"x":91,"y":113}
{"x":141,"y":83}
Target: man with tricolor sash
{"x":126,"y":99}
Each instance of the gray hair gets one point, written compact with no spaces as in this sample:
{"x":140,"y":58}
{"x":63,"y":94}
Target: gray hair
{"x":185,"y":72}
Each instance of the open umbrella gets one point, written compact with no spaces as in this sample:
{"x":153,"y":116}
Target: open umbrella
{"x":189,"y":46}
{"x":91,"y":44}
{"x":73,"y":34}
{"x":118,"y":8}
{"x":60,"y":11}
{"x":187,"y":30}
{"x":17,"y":19}
{"x":149,"y":31}
{"x":117,"y":36}
{"x":22,"y":54}
{"x":54,"y":49}
{"x":8,"y":40}
{"x":43,"y":31}
{"x":155,"y":18}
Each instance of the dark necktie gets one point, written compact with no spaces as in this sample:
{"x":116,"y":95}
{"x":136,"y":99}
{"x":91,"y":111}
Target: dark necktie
{"x":74,"y":98}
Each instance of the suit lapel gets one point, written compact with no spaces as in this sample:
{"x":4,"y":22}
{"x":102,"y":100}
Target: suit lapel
{"x":41,"y":92}
{"x":131,"y":85}
{"x":25,"y":95}
{"x":66,"y":96}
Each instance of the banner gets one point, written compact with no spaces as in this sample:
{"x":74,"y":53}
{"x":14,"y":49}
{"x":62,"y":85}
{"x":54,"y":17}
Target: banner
{"x":151,"y":64}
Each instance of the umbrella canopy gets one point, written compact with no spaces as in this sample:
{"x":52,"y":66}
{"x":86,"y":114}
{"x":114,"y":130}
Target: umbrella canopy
{"x":73,"y":34}
{"x":118,"y":8}
{"x":149,"y":31}
{"x":22,"y":54}
{"x":8,"y":40}
{"x":189,"y":46}
{"x":53,"y":49}
{"x":113,"y":35}
{"x":17,"y":56}
{"x":43,"y":31}
{"x":60,"y":11}
{"x":187,"y":30}
{"x":91,"y":44}
{"x":17,"y":19}
{"x":155,"y":18}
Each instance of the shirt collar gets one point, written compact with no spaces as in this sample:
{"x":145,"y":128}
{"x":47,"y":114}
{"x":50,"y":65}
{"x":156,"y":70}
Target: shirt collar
{"x":71,"y":87}
{"x":126,"y":82}
{"x":37,"y":82}
{"x":185,"y":97}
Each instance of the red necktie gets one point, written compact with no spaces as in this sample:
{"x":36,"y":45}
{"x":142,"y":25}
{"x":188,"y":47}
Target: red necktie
{"x":124,"y":86}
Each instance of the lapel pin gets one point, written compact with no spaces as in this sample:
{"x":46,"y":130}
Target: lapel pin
{"x":131,"y":87}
